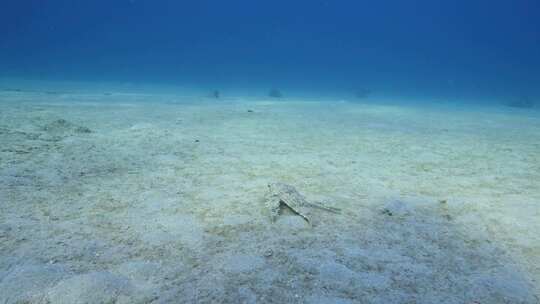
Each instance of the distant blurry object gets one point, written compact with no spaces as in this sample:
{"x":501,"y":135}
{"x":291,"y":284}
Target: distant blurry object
{"x":62,"y":126}
{"x":523,"y":102}
{"x":275,"y":93}
{"x":362,"y":93}
{"x":216,"y":94}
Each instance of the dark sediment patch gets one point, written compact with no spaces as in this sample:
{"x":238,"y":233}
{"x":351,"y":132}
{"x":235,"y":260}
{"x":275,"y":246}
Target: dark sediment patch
{"x":65,"y":127}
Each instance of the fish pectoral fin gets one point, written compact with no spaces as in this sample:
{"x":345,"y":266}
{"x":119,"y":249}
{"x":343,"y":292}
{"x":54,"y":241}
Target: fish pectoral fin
{"x":294,"y":210}
{"x":322,"y":206}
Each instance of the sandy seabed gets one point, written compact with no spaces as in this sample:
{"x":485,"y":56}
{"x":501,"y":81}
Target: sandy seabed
{"x":141,"y":198}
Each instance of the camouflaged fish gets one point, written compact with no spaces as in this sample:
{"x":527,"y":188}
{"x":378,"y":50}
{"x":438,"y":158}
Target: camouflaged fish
{"x":283,"y":195}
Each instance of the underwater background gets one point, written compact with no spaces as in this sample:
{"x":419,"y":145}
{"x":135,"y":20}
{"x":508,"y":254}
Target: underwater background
{"x":318,"y":152}
{"x":472,"y":51}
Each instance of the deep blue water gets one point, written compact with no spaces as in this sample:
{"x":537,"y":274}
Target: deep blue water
{"x":455,"y":49}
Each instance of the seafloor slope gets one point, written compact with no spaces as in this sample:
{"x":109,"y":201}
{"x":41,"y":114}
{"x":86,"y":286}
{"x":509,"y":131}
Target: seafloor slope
{"x":160,"y":199}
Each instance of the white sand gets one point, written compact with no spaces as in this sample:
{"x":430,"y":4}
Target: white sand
{"x":163,"y":201}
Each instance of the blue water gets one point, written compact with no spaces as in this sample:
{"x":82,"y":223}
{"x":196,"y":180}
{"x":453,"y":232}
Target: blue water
{"x":470,"y":50}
